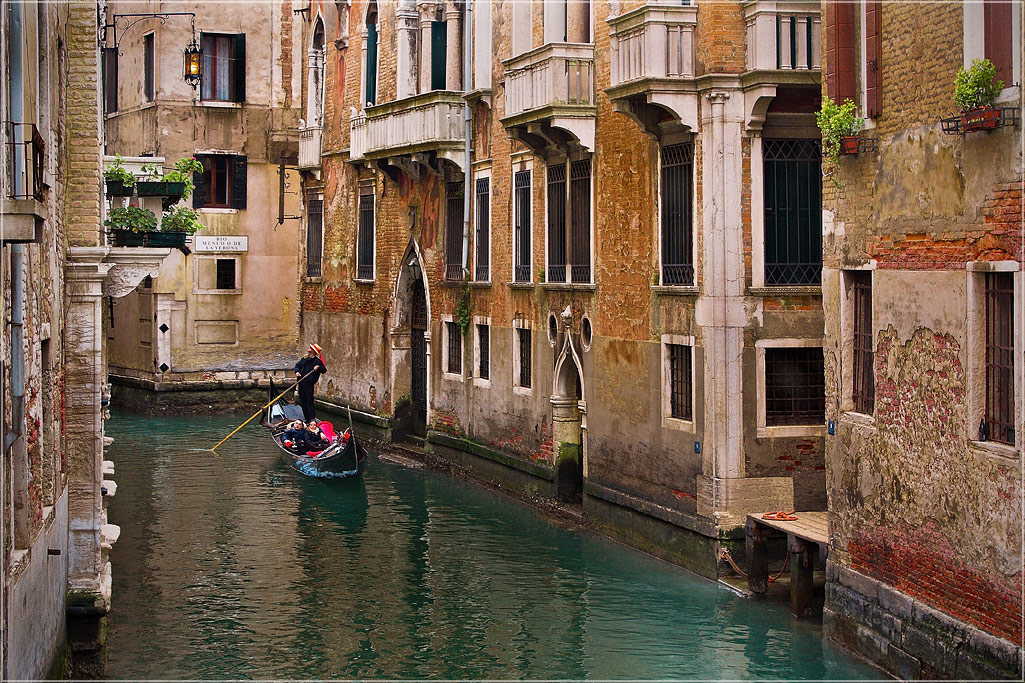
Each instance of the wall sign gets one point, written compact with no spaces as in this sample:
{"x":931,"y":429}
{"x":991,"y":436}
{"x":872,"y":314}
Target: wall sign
{"x":221,"y":243}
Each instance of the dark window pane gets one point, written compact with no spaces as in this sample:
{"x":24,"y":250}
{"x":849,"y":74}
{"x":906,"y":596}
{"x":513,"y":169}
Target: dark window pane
{"x":454,"y":233}
{"x":793,"y":212}
{"x":524,"y":343}
{"x":864,"y":373}
{"x":484,"y":351}
{"x":225,"y":273}
{"x":218,"y":66}
{"x":557,"y":223}
{"x":455,"y":348}
{"x":521,"y":185}
{"x":314,"y":237}
{"x":482,"y":261}
{"x":216,"y":181}
{"x":580,"y":221}
{"x":1000,"y":357}
{"x":680,"y":404}
{"x":794,"y":386}
{"x":147,"y":66}
{"x":677,"y":215}
{"x":365,"y":236}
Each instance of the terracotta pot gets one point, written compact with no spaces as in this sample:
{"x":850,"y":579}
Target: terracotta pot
{"x":981,"y":118}
{"x":850,"y":143}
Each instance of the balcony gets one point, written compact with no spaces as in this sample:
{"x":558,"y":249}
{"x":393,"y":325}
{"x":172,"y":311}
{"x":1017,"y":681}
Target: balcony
{"x":416,"y":130}
{"x":651,"y":56}
{"x":21,"y":202}
{"x":784,"y":37}
{"x":549,"y":96}
{"x":309,"y":147}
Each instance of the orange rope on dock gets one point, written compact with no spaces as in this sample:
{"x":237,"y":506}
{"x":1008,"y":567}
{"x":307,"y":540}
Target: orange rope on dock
{"x":781,"y":516}
{"x":724,"y":554}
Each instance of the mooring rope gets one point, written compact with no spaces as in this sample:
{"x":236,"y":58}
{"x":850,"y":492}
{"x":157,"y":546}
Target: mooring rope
{"x":724,"y":554}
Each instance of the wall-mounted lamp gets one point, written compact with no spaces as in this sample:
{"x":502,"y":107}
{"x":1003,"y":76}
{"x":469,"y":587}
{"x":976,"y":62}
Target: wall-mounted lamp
{"x":193,"y":63}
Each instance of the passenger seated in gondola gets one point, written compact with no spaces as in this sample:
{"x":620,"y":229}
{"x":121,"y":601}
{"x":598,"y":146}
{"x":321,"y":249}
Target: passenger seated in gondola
{"x":294,"y":437}
{"x":314,"y":437}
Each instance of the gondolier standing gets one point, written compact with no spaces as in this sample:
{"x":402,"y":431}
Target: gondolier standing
{"x":312,"y":361}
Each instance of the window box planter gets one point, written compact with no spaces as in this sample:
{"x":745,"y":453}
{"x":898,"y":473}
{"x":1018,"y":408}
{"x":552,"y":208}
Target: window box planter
{"x":857,"y":144}
{"x":980,"y":118}
{"x":158,"y":240}
{"x":160,"y":188}
{"x":116,"y":188}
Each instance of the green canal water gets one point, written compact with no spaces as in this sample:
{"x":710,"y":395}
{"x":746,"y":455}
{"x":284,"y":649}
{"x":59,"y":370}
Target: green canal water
{"x":234,"y":566}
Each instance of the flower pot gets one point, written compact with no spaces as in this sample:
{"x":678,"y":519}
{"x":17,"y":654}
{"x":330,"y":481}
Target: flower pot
{"x":850,"y":144}
{"x":127,"y":238}
{"x":981,"y":118}
{"x":166,"y":239}
{"x":116,"y":188}
{"x":151,"y":188}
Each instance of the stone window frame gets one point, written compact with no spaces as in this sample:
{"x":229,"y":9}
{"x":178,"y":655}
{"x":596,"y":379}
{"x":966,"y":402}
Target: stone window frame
{"x":668,"y":421}
{"x":198,"y":258}
{"x":522,"y":324}
{"x":475,"y":370}
{"x":762,"y":429}
{"x":447,"y":318}
{"x":846,"y":340}
{"x":974,"y":47}
{"x":975,"y":372}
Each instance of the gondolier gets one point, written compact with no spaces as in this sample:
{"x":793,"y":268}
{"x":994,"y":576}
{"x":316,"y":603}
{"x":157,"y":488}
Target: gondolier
{"x":311,"y":364}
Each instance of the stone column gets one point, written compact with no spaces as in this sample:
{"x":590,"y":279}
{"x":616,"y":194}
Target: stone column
{"x":566,"y":439}
{"x":453,"y":56}
{"x":315,"y":86}
{"x":363,"y":72}
{"x":427,"y":11}
{"x":578,"y":21}
{"x":406,"y":76}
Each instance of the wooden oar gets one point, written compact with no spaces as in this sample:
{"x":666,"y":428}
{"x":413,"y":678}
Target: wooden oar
{"x":271,"y":402}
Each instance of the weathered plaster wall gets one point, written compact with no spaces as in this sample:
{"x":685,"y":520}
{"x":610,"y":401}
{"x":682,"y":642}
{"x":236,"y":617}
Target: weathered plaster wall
{"x":922,"y":512}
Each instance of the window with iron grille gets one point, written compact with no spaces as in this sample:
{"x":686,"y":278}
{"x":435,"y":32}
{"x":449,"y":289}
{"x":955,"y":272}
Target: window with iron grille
{"x":677,"y":214}
{"x":483,"y":351}
{"x":864,"y":389}
{"x":1000,"y":357}
{"x":793,"y":212}
{"x":795,"y":392}
{"x":521,"y":237}
{"x":680,"y":403}
{"x":523,"y":341}
{"x":482,"y":238}
{"x":455,"y":348}
{"x":314,"y":236}
{"x":365,"y":236}
{"x":557,"y":223}
{"x":454,"y":232}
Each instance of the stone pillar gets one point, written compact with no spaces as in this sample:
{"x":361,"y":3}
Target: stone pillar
{"x":427,"y":10}
{"x":315,"y":86}
{"x":566,"y":438}
{"x":363,"y":72}
{"x":453,"y":56}
{"x":578,"y":21}
{"x":406,"y":76}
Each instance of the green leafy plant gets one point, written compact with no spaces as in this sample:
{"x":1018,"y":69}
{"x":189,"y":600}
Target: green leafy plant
{"x":132,"y":218}
{"x":464,"y":313}
{"x":837,"y":121}
{"x":116,"y":172}
{"x":977,"y":86}
{"x":180,"y":219}
{"x":150,"y":172}
{"x":182,"y":173}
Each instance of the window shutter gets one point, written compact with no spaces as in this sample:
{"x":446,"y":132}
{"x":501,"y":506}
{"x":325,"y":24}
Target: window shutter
{"x":840,"y":73}
{"x":371,"y":64}
{"x":201,"y":192}
{"x":439,"y":45}
{"x":239,"y":69}
{"x":830,"y":35}
{"x":239,"y":179}
{"x":997,"y":26}
{"x":873,"y":52}
{"x":109,"y":80}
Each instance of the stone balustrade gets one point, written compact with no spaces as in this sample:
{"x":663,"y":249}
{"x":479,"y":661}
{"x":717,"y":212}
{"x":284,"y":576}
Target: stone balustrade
{"x":783,"y":35}
{"x":553,"y":75}
{"x":310,"y":147}
{"x":653,"y":41}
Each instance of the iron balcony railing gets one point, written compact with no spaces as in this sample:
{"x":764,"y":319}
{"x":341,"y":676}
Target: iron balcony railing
{"x":25,"y":155}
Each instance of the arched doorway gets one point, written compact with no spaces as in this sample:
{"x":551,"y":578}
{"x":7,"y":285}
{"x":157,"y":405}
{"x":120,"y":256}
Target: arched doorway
{"x":418,"y":321}
{"x":411,"y":347}
{"x":567,"y":421}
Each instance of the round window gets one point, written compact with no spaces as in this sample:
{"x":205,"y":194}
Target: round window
{"x":585,"y":332}
{"x":553,"y":329}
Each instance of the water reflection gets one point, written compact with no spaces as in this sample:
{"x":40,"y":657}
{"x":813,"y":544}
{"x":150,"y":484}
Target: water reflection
{"x":233,"y":565}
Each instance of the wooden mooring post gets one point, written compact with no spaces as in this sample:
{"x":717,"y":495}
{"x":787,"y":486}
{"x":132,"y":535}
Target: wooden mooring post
{"x":757,"y":557}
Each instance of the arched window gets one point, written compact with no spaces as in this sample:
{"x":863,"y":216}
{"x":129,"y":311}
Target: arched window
{"x":315,"y":81}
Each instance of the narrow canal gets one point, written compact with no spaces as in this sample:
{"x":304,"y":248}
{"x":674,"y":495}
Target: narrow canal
{"x":234,"y":566}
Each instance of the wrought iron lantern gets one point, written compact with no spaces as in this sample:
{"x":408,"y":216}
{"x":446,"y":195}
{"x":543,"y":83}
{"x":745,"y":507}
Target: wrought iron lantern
{"x":193,"y":63}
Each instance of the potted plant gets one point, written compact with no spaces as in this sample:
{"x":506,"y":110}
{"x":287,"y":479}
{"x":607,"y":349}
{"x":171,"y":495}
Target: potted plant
{"x":840,"y":126}
{"x":130,"y":224}
{"x":118,"y":179}
{"x":975,"y":90}
{"x":176,"y":224}
{"x":179,"y":180}
{"x":150,"y":183}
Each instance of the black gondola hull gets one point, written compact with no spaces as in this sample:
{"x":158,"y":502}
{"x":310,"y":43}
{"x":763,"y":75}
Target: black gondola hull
{"x":340,"y":459}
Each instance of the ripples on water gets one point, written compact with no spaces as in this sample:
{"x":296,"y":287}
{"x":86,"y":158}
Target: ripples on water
{"x":231,"y":565}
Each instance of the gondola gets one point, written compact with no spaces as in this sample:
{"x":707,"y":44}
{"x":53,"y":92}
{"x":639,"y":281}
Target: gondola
{"x":343,"y":458}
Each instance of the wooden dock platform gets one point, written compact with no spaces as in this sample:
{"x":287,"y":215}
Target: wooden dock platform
{"x":804,"y":536}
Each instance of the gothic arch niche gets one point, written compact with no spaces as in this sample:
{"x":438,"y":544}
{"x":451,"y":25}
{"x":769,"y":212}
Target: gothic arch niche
{"x":410,"y":345}
{"x":569,"y":418}
{"x":315,"y":80}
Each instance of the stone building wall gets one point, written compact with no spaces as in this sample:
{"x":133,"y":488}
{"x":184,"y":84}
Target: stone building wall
{"x":926,"y":568}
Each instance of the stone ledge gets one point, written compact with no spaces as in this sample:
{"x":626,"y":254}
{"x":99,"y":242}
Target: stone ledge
{"x":467,"y":446}
{"x":685,"y":520}
{"x":357,"y":415}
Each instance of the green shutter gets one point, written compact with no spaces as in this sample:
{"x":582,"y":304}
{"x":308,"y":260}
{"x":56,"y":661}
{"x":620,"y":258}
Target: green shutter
{"x":371,"y":63}
{"x":439,"y":46}
{"x":239,"y":181}
{"x":239,"y":75}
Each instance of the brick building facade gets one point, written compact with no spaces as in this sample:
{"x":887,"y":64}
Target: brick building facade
{"x":641,"y":328}
{"x":922,"y":293}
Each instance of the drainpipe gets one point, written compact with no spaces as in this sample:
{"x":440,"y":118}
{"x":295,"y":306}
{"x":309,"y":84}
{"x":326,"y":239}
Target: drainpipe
{"x":467,"y":174}
{"x":17,"y":348}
